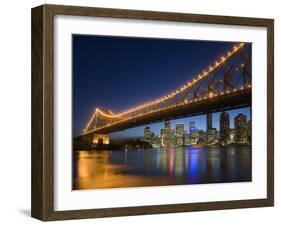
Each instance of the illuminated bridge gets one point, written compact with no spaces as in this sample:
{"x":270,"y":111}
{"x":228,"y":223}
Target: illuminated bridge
{"x":226,"y":84}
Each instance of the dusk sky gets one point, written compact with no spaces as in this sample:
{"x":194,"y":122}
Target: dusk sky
{"x":118,"y":73}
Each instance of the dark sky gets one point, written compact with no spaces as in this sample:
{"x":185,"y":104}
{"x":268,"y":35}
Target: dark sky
{"x":118,"y":73}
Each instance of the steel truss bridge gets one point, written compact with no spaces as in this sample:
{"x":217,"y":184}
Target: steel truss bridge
{"x":224,"y":85}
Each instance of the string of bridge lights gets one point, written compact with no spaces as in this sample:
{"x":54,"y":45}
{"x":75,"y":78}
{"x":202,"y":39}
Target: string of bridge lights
{"x":98,"y":111}
{"x":170,"y":95}
{"x":188,"y":84}
{"x":196,"y":100}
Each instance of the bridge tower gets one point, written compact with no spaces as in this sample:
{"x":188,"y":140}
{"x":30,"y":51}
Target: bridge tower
{"x":100,"y":139}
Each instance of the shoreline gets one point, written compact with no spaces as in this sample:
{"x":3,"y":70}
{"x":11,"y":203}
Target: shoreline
{"x":114,"y":148}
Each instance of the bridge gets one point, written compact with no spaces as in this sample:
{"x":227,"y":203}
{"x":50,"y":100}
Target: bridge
{"x":226,"y":84}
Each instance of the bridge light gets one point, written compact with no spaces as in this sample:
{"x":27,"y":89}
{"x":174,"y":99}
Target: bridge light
{"x":211,"y":94}
{"x":249,"y":86}
{"x":242,"y":87}
{"x":228,"y":53}
{"x":217,"y":63}
{"x":234,"y":90}
{"x":235,"y":47}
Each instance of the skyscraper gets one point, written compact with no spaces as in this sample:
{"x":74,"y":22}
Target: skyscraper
{"x":167,"y":125}
{"x":162,"y":137}
{"x":240,"y":127}
{"x":224,"y":127}
{"x":209,"y":123}
{"x":147,"y":134}
{"x":192,"y":127}
{"x":179,"y":134}
{"x":231,"y":136}
{"x":168,"y":138}
{"x":187,"y":139}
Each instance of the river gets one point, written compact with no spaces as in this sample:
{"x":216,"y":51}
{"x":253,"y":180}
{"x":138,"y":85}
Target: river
{"x":161,"y":166}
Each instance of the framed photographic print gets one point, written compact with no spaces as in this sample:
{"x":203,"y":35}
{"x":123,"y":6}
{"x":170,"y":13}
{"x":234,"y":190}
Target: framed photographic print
{"x":141,"y":112}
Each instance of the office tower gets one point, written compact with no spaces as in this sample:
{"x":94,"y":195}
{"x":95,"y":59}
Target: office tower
{"x":224,"y":127}
{"x":147,"y":135}
{"x":168,"y":138}
{"x":162,"y":137}
{"x":240,"y":126}
{"x":231,"y":135}
{"x":209,"y":123}
{"x":192,"y":127}
{"x":179,"y":134}
{"x":187,"y":139}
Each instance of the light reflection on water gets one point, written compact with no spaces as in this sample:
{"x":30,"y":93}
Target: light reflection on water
{"x":156,"y":167}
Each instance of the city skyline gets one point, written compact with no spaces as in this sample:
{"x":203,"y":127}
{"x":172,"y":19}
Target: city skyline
{"x":200,"y":122}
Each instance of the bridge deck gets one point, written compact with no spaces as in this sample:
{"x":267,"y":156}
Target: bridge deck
{"x":234,"y":100}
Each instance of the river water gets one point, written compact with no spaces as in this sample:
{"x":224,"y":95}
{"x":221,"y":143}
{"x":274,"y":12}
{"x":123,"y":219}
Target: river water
{"x":156,"y":167}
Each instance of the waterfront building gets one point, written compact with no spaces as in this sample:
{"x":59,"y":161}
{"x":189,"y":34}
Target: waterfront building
{"x":173,"y":136}
{"x":167,"y":135}
{"x":162,"y":137}
{"x":168,"y":141}
{"x":203,"y":136}
{"x":187,"y":139}
{"x":218,"y":135}
{"x":152,"y":137}
{"x":179,"y":138}
{"x":240,"y":126}
{"x":147,"y":135}
{"x":156,"y":141}
{"x":224,"y":127}
{"x":231,"y":136}
{"x":194,"y":137}
{"x":212,"y":136}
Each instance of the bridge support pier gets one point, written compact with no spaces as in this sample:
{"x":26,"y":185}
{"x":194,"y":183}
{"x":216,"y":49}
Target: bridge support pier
{"x":100,"y":139}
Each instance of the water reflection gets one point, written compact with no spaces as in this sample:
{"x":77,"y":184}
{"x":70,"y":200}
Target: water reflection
{"x":155,"y":167}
